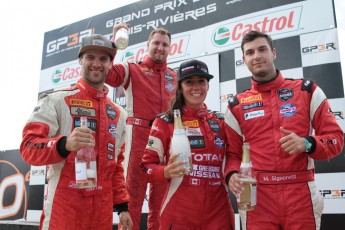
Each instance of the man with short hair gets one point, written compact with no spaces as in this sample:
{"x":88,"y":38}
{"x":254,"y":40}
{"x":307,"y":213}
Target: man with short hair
{"x":288,"y":124}
{"x":149,"y":86}
{"x":53,"y":135}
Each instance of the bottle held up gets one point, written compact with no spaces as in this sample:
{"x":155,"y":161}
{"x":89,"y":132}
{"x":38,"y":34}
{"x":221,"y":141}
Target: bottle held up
{"x":247,"y":199}
{"x":121,"y":39}
{"x":180,"y":143}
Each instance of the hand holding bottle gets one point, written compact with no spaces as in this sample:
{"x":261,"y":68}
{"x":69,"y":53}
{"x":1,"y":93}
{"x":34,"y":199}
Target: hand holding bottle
{"x":173,"y":169}
{"x":120,"y":35}
{"x":180,"y":144}
{"x":79,"y":138}
{"x":235,"y":185}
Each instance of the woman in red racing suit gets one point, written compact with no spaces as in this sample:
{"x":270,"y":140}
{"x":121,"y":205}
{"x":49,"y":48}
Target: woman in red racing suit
{"x":198,"y":200}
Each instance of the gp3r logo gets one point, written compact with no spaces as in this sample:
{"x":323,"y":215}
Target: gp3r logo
{"x":68,"y":41}
{"x":339,"y":115}
{"x":333,"y":193}
{"x":13,"y":196}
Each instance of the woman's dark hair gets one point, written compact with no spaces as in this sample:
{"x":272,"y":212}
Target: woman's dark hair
{"x":176,"y":103}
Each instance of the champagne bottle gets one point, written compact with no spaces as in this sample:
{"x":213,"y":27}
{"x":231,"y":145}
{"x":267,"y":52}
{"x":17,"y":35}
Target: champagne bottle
{"x":180,"y":144}
{"x":85,"y":164}
{"x":247,"y":199}
{"x":121,"y":38}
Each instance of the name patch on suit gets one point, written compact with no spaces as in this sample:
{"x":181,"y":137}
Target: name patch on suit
{"x":197,"y":142}
{"x":83,"y":111}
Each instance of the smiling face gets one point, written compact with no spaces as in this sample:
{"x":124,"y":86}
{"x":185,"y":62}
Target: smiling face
{"x":158,"y":47}
{"x":194,"y":90}
{"x":259,"y":58}
{"x":95,"y":66}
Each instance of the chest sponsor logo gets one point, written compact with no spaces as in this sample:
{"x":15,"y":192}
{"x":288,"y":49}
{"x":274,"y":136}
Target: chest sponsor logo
{"x":191,"y":124}
{"x":254,"y":114}
{"x":253,"y":98}
{"x":168,"y":76}
{"x":169,"y":86}
{"x":197,"y":142}
{"x":83,"y":111}
{"x":214,"y":126}
{"x":91,"y":123}
{"x":288,"y":110}
{"x":83,"y":103}
{"x":206,"y":171}
{"x":147,"y":71}
{"x":193,"y":131}
{"x":112,"y":130}
{"x":198,"y":157}
{"x":111,"y":147}
{"x":111,"y":113}
{"x":218,"y":141}
{"x":253,"y":105}
{"x":285,"y":94}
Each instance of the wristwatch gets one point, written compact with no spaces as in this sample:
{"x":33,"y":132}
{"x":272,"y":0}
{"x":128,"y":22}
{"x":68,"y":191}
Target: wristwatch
{"x":307,"y":145}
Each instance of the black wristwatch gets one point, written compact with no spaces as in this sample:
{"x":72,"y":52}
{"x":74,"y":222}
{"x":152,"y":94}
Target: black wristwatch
{"x":308,"y":145}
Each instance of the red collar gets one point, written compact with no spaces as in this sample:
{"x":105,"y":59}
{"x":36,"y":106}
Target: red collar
{"x":92,"y":92}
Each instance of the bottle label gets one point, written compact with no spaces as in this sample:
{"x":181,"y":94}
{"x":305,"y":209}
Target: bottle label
{"x":92,"y":171}
{"x":253,"y":194}
{"x":80,"y":172}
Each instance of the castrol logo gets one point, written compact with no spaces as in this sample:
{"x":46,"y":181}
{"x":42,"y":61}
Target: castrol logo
{"x":274,"y":23}
{"x":178,"y":47}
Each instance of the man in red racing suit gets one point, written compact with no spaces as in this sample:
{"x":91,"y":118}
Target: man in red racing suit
{"x":198,"y":200}
{"x":149,"y":86}
{"x":277,"y":117}
{"x":55,"y":123}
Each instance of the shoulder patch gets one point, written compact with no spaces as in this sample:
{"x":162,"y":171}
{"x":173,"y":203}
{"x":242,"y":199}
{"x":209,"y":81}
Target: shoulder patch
{"x":307,"y":85}
{"x":164,"y":117}
{"x":233,"y":101}
{"x":218,"y":114}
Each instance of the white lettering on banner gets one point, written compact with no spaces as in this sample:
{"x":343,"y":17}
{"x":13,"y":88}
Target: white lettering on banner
{"x":71,"y":40}
{"x":184,"y":16}
{"x":169,"y":5}
{"x":276,"y":22}
{"x":205,"y":171}
{"x":207,"y":157}
{"x":161,"y":22}
{"x":16,"y":180}
{"x":129,"y":17}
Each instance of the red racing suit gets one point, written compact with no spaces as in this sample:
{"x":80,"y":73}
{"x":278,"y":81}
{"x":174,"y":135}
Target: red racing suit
{"x":198,"y":200}
{"x":149,"y":88}
{"x":44,"y":138}
{"x":287,"y":197}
